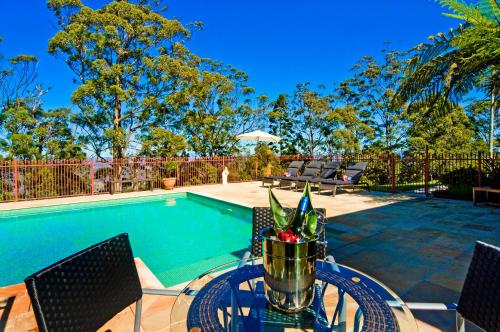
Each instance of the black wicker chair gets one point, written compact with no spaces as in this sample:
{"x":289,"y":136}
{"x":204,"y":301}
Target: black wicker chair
{"x":479,"y":301}
{"x":262,"y":218}
{"x":84,"y":291}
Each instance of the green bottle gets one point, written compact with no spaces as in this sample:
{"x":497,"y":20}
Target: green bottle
{"x":299,"y":218}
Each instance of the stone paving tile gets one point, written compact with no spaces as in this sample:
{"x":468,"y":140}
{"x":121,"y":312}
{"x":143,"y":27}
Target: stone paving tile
{"x":426,"y":291}
{"x":451,"y":275}
{"x":416,"y":246}
{"x":345,"y":251}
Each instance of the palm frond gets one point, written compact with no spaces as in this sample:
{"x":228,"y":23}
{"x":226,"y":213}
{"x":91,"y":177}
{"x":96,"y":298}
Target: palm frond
{"x":463,"y":11}
{"x":455,"y":62}
{"x":491,"y":9}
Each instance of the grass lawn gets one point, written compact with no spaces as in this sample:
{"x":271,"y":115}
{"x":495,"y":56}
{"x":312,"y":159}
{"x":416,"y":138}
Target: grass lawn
{"x":408,"y":186}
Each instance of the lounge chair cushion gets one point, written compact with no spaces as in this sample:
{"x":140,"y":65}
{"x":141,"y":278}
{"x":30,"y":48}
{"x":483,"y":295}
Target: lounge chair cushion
{"x":315,"y":164}
{"x":296,"y":164}
{"x":354,"y":174}
{"x":333,"y":165}
{"x":310,"y":172}
{"x":358,"y":166}
{"x":335,"y":181}
{"x":293,"y":172}
{"x":330,"y":170}
{"x":303,"y":178}
{"x":313,"y":168}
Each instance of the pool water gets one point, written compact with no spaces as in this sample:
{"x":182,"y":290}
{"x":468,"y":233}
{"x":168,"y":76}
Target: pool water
{"x":178,"y":236}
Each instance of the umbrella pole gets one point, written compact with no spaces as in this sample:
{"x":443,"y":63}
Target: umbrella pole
{"x":256,"y":159}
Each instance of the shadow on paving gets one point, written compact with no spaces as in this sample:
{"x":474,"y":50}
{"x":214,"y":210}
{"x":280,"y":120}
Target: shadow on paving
{"x":420,"y":248}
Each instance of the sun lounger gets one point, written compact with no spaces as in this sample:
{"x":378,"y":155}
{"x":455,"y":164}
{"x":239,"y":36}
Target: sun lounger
{"x":329,"y":172}
{"x":312,"y":170}
{"x":292,"y":171}
{"x":353,"y":173}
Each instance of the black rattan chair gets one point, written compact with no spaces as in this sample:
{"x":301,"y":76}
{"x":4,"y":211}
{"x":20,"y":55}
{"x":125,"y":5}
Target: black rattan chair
{"x":262,"y":218}
{"x":479,"y":301}
{"x":84,"y":291}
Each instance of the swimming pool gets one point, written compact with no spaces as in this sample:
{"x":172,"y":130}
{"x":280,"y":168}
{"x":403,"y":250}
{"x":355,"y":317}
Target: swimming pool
{"x":178,"y":236}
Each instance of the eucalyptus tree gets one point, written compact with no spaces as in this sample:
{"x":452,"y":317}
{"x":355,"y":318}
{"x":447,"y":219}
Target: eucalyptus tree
{"x":18,"y":79}
{"x":372,"y":92}
{"x":131,"y":67}
{"x":458,"y":62}
{"x":161,"y":142}
{"x":29,"y":131}
{"x":220,"y":109}
{"x":453,"y":132}
{"x":479,"y":112}
{"x":310,"y":109}
{"x":344,"y":130}
{"x":281,"y":123}
{"x":32,"y":132}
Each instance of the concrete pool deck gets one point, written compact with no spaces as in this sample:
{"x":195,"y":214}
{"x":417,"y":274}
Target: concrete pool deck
{"x":419,"y":247}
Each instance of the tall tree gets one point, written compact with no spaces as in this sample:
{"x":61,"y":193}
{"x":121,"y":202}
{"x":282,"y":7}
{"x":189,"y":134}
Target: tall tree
{"x":220,"y":109}
{"x":344,"y":130}
{"x":160,"y":142}
{"x":454,"y":64}
{"x":452,"y":132}
{"x":281,"y":124}
{"x":34,"y":133}
{"x":479,"y":111}
{"x":28,"y":130}
{"x":310,"y":108}
{"x":131,"y":66}
{"x":372,"y":92}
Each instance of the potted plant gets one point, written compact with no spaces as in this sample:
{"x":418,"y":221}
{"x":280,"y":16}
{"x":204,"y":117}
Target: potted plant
{"x":289,"y":255}
{"x":170,"y":168}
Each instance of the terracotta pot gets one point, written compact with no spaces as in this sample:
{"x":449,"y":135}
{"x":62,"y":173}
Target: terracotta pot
{"x":169,"y":183}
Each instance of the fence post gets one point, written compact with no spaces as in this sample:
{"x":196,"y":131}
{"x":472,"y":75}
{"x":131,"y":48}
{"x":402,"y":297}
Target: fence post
{"x":479,"y":171}
{"x":177,"y":176}
{"x":15,"y":167}
{"x":92,"y":183}
{"x":426,"y":171}
{"x":393,"y":172}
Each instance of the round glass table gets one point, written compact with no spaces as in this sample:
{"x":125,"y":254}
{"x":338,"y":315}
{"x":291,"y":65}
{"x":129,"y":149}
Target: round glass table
{"x":231,"y":297}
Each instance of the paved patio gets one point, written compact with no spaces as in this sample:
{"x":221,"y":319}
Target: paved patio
{"x":419,"y":247}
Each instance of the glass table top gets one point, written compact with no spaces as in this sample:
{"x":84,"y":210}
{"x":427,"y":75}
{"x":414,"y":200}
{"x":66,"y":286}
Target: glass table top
{"x":231,"y":297}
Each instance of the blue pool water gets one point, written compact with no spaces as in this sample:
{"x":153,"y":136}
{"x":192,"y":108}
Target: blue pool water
{"x":178,"y":236}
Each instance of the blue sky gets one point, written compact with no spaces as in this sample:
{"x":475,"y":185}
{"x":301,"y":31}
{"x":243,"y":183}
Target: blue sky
{"x":278,"y":43}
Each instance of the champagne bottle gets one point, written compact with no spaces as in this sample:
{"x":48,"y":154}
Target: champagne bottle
{"x":300,"y":216}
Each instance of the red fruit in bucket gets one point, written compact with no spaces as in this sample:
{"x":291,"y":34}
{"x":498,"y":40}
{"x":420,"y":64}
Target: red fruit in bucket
{"x":288,"y":236}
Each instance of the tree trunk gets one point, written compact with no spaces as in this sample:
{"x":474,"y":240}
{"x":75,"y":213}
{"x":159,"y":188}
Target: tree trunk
{"x":117,"y":148}
{"x":311,"y":147}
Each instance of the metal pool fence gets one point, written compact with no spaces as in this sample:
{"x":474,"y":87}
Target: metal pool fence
{"x":421,"y":173}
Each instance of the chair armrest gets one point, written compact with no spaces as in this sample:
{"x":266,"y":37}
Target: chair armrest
{"x":431,"y":306}
{"x":167,"y":292}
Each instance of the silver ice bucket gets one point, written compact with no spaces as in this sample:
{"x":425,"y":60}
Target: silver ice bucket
{"x":289,"y":272}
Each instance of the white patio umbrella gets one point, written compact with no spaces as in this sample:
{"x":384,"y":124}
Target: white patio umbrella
{"x":258,"y":136}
